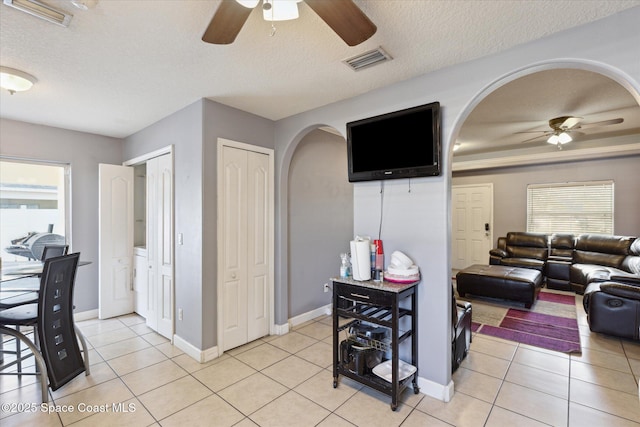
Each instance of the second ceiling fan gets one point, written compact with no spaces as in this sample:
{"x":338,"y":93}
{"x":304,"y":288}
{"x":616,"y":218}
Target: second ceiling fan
{"x":563,"y":127}
{"x":343,"y":16}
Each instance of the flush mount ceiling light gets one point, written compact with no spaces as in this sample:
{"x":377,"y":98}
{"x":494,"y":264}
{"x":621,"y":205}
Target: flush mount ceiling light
{"x":15,"y":80}
{"x":41,"y":10}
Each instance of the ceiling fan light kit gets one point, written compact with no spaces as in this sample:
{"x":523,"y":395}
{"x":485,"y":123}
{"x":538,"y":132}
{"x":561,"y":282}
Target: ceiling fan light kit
{"x":559,"y":138}
{"x":280,"y":10}
{"x":42,"y":11}
{"x":15,"y":80}
{"x":249,"y":3}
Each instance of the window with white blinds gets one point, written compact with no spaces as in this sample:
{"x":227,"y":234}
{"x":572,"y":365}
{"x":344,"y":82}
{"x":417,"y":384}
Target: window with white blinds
{"x":575,"y":207}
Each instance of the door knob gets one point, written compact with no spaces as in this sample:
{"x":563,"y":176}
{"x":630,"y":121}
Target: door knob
{"x":233,"y":275}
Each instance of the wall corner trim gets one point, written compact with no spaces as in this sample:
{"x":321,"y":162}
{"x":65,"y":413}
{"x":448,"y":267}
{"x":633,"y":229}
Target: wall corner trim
{"x":435,"y":390}
{"x":201,"y":356}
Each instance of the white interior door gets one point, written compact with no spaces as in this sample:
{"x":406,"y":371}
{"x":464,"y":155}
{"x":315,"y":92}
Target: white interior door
{"x":235,"y":248}
{"x":152,"y":246}
{"x":246,"y":245}
{"x":257,"y":245}
{"x":164,"y":245}
{"x":115,"y":267}
{"x":472,"y":224}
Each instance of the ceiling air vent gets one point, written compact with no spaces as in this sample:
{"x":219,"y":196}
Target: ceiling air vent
{"x":368,"y":59}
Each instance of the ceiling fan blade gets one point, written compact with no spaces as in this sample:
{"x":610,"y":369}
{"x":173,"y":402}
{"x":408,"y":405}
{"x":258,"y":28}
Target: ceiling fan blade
{"x":602,"y":123}
{"x":546,"y":134}
{"x":570,"y":122}
{"x":345,"y":18}
{"x":574,"y":133}
{"x":226,"y":23}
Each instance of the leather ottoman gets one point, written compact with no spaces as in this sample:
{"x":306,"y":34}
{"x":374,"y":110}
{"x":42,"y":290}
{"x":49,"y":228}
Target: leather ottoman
{"x":499,"y":281}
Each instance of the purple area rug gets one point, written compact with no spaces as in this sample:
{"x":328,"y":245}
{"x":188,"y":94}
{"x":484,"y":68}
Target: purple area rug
{"x":532,"y":327}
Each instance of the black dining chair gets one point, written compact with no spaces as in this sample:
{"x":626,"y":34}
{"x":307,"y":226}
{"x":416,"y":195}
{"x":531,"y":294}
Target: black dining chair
{"x":51,"y":251}
{"x":55,"y":345}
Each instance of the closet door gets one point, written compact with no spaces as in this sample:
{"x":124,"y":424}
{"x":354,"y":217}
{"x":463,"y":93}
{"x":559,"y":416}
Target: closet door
{"x":160,"y":245}
{"x":246,"y":246}
{"x":258,"y":245}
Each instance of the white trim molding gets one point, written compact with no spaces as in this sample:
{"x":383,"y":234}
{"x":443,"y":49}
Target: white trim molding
{"x":201,"y":356}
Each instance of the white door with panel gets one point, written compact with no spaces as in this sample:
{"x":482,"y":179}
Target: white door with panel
{"x":472,"y":224}
{"x":159,"y":304}
{"x":141,"y":281}
{"x":115,"y":247}
{"x":246,"y":245}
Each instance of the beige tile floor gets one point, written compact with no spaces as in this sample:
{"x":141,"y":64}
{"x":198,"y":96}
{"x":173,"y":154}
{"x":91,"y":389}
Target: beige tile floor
{"x":139,"y":379}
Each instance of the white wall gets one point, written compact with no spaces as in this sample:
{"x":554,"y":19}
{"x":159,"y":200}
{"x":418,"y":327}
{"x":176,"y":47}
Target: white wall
{"x":419,"y":222}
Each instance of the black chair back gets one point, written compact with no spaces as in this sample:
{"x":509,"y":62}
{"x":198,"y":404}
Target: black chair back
{"x":51,"y":251}
{"x":58,"y":341}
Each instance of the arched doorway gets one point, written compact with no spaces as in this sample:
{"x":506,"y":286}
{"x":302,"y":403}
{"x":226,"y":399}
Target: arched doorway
{"x":509,"y":127}
{"x":320,"y":220}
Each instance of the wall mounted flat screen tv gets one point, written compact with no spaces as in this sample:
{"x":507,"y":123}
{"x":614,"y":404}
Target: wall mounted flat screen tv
{"x":401,"y":144}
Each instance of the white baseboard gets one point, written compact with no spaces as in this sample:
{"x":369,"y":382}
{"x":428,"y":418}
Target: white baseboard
{"x":201,"y":356}
{"x":310,"y":315}
{"x":85,"y":315}
{"x":280,"y":329}
{"x":435,"y":390}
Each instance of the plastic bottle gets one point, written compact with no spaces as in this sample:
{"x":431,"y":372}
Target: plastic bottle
{"x":345,"y":266}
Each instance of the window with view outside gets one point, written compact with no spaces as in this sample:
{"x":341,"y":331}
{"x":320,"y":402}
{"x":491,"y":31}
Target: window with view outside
{"x":574,"y":207}
{"x":32,"y":209}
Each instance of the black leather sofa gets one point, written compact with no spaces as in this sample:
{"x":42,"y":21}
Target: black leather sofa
{"x":568,"y":262}
{"x":605,"y":268}
{"x":598,"y":258}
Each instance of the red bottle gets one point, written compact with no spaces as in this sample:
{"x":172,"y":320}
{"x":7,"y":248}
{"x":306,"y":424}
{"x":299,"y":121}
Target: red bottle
{"x":379,"y":255}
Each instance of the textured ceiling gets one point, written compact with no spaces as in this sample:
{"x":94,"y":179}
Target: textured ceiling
{"x":124,"y":65}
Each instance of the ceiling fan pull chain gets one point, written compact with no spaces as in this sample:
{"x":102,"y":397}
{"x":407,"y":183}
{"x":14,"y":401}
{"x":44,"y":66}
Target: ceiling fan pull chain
{"x":273,"y":30}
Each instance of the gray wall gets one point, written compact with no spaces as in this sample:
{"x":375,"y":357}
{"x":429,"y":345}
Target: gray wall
{"x":320,"y":218}
{"x":83,"y":151}
{"x":418,"y":222}
{"x":194,"y":132}
{"x":183,"y":130}
{"x":220,"y":121}
{"x":510,"y":189}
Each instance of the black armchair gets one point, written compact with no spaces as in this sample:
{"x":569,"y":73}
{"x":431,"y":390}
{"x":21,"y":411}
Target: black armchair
{"x":521,"y":249}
